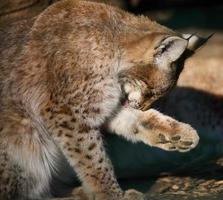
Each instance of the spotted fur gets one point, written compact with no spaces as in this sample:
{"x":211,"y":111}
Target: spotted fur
{"x":75,"y":68}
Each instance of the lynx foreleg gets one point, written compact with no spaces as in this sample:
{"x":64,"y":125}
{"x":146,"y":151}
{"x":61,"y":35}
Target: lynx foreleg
{"x":154,"y":129}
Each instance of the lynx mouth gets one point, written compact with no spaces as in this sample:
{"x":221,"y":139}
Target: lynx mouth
{"x":126,"y":103}
{"x":131,"y":104}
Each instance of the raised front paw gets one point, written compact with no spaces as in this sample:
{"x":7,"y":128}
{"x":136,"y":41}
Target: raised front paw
{"x":184,"y":139}
{"x":169,"y":135}
{"x":133,"y":195}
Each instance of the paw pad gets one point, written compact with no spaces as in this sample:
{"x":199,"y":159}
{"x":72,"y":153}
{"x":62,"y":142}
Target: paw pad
{"x":176,"y":138}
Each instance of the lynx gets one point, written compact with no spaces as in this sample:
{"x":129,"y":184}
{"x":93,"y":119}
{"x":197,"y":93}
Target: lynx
{"x":75,"y":69}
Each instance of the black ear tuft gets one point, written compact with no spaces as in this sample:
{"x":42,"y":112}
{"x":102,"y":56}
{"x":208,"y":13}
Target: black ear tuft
{"x":195,"y":41}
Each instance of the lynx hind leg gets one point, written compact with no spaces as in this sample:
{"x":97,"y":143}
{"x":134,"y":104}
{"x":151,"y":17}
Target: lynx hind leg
{"x":12,"y":178}
{"x":166,"y":133}
{"x":27,"y":160}
{"x":9,"y":177}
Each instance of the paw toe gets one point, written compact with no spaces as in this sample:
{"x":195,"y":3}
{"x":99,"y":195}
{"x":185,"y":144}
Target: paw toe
{"x":176,"y":138}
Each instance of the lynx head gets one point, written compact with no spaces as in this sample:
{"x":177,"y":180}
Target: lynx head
{"x":156,"y":60}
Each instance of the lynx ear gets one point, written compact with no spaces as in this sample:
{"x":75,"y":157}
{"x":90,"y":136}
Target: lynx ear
{"x":169,"y":50}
